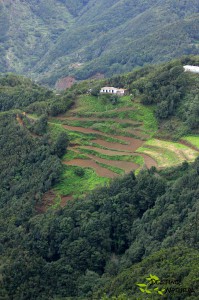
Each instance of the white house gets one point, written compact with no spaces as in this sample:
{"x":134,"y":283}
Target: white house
{"x":113,"y":90}
{"x":193,"y":69}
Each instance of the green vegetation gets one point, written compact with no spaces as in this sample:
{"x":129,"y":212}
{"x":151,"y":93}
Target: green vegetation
{"x":128,"y":157}
{"x":72,"y":155}
{"x":170,"y":265}
{"x":73,"y":184}
{"x":175,"y":95}
{"x":17,"y":92}
{"x":194,"y":140}
{"x":112,"y":168}
{"x":106,"y":242}
{"x":113,"y":233}
{"x":168,"y":153}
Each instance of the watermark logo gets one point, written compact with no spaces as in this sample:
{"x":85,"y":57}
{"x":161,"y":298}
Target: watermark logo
{"x":151,"y":286}
{"x":154,"y":285}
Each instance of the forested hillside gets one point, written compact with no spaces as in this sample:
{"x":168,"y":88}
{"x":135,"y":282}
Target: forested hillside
{"x":17,"y":92}
{"x":74,"y":251}
{"x":100,"y":244}
{"x":82,"y":38}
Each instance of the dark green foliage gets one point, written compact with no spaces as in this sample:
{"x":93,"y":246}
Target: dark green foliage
{"x":178,"y":265}
{"x":17,"y":92}
{"x":27,"y":165}
{"x":61,"y":144}
{"x":79,"y":171}
{"x":38,"y":126}
{"x":76,"y":250}
{"x":95,"y":91}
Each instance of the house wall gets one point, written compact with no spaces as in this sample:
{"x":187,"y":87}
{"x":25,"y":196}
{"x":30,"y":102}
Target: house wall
{"x":193,"y":69}
{"x":113,"y":91}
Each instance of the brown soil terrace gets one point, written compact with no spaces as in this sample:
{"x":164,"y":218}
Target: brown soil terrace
{"x":125,"y":165}
{"x":133,"y":144}
{"x":117,"y":120}
{"x":149,"y":161}
{"x":112,"y":148}
{"x":186,"y":143}
{"x":75,"y":110}
{"x":88,"y":163}
{"x":65,"y":199}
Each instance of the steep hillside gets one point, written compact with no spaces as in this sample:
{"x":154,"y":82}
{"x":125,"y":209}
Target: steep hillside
{"x":124,"y":35}
{"x":72,"y":230}
{"x":17,"y":92}
{"x":28,"y":30}
{"x":81,"y":38}
{"x":76,"y":250}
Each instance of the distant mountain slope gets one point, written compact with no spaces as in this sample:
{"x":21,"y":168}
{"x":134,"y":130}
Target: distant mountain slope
{"x":82,"y":37}
{"x":115,"y":38}
{"x":28,"y":29}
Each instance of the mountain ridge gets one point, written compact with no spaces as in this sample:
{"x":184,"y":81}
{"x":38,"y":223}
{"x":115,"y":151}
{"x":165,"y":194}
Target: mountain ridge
{"x":108,"y":38}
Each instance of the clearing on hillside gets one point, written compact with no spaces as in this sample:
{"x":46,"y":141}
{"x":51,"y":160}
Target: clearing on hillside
{"x":107,"y":140}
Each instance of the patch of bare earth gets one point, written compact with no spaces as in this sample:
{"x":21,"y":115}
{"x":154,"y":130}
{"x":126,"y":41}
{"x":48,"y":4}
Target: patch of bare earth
{"x":47,"y":200}
{"x":148,"y":160}
{"x":82,"y":130}
{"x":117,"y":120}
{"x":186,"y":143}
{"x":133,"y":144}
{"x":65,"y":199}
{"x":65,"y":83}
{"x":88,"y":163}
{"x":19,"y":120}
{"x":106,"y":151}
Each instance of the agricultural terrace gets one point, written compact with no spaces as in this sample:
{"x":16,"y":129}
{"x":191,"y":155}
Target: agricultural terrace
{"x":109,"y":140}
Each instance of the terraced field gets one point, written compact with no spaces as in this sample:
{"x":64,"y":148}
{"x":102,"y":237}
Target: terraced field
{"x":107,"y":141}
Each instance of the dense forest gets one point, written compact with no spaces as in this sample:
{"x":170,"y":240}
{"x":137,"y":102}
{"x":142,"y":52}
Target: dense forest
{"x":17,"y":92}
{"x":84,"y":37}
{"x":76,"y":250}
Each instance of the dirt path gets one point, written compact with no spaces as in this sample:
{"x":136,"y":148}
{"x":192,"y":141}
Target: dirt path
{"x":47,"y":200}
{"x":83,"y":130}
{"x":76,"y":110}
{"x":133,"y":144}
{"x":86,"y":163}
{"x":125,"y":165}
{"x":117,"y":120}
{"x":19,"y":120}
{"x":106,"y":151}
{"x":148,"y":160}
{"x":186,"y":143}
{"x":65,"y":199}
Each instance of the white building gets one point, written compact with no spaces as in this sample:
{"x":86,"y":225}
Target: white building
{"x":193,"y":69}
{"x":113,"y":90}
